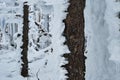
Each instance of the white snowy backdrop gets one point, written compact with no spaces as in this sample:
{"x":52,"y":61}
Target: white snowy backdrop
{"x":45,"y":47}
{"x":102,"y":31}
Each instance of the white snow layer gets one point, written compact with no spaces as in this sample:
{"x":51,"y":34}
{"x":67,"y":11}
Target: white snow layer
{"x":102,"y":31}
{"x":47,"y":65}
{"x":44,"y":63}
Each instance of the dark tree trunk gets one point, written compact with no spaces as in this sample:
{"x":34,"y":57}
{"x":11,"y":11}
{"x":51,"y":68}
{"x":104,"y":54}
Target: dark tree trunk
{"x":74,"y":33}
{"x":24,"y":71}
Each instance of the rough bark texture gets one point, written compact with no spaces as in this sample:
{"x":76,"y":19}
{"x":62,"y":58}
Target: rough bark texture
{"x":74,"y":33}
{"x":24,"y":71}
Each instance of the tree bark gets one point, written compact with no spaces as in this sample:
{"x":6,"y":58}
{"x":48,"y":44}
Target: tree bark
{"x":74,"y":33}
{"x":24,"y":71}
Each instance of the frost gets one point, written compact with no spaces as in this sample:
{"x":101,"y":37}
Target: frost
{"x":45,"y":45}
{"x":103,"y":40}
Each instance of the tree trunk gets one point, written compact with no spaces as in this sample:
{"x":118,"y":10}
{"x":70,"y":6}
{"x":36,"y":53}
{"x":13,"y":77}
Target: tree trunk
{"x":24,"y":71}
{"x":74,"y":33}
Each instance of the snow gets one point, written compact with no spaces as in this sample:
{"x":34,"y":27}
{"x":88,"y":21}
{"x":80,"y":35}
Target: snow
{"x":45,"y":49}
{"x":114,"y":27}
{"x":49,"y":63}
{"x":103,"y":40}
{"x":10,"y":63}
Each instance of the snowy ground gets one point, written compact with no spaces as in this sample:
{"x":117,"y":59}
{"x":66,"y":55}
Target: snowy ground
{"x":102,"y":31}
{"x":45,"y":61}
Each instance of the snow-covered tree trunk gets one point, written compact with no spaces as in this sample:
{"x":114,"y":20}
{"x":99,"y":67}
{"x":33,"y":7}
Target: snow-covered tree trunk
{"x":24,"y":71}
{"x":74,"y":33}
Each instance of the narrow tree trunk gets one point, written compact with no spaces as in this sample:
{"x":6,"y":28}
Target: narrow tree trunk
{"x":24,"y":71}
{"x":74,"y":32}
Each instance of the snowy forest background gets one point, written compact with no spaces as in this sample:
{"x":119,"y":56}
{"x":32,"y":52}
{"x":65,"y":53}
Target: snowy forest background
{"x":59,"y":39}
